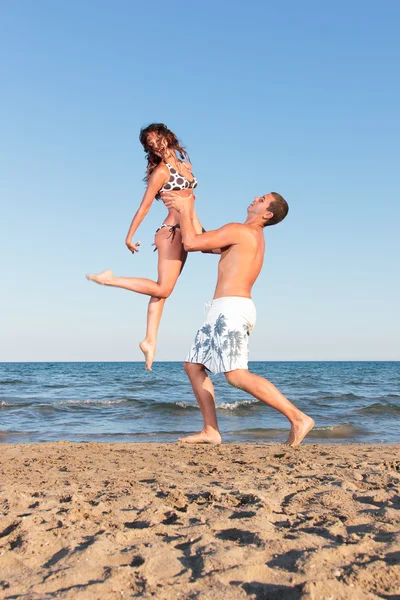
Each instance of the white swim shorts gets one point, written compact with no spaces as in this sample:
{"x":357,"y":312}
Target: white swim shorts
{"x":222,"y":343}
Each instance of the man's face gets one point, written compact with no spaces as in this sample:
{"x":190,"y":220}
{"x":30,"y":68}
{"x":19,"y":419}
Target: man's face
{"x":260,"y":205}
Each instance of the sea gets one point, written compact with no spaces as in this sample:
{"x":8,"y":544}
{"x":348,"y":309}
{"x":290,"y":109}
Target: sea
{"x":121,"y":402}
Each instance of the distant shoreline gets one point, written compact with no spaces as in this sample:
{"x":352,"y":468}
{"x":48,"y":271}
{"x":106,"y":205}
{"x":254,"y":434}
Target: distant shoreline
{"x":163,"y":362}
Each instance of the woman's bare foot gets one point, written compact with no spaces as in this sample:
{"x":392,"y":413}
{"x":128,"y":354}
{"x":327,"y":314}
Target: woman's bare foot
{"x":211,"y":436}
{"x":149,"y":351}
{"x":103,"y":278}
{"x":299,"y":430}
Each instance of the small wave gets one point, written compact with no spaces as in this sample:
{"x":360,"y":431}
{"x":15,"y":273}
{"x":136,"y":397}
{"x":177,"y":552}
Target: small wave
{"x":5,"y":433}
{"x":94,"y":402}
{"x":239,"y":404}
{"x":4,"y":404}
{"x":170,"y":407}
{"x":229,"y":406}
{"x":380,"y":409}
{"x":338,"y":397}
{"x":57,"y":405}
{"x":57,"y":386}
{"x":13,"y":382}
{"x":358,"y":382}
{"x":257,"y":433}
{"x":132,"y":435}
{"x":342,"y":431}
{"x":45,"y":407}
{"x":182,"y":405}
{"x":33,"y":406}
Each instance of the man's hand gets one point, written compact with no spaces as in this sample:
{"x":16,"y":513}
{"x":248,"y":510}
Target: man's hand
{"x":176,"y":201}
{"x":132,"y":247}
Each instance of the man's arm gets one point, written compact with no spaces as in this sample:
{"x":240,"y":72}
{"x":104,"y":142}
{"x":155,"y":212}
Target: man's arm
{"x":210,"y":240}
{"x":214,"y":251}
{"x":177,"y":202}
{"x":200,"y":229}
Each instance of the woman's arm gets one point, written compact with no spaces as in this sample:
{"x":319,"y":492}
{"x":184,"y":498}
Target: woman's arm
{"x":157,"y":179}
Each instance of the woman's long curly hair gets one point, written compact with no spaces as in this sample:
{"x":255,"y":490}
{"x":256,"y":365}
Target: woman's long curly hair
{"x":173,"y":144}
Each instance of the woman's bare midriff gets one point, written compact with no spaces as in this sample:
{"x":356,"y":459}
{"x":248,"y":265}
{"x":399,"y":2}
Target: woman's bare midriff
{"x":174,"y":217}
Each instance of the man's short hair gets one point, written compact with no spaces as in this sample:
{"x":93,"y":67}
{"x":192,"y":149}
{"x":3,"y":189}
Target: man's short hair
{"x":279,"y":207}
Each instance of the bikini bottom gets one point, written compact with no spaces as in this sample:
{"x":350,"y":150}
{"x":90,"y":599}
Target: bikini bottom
{"x":172,"y":231}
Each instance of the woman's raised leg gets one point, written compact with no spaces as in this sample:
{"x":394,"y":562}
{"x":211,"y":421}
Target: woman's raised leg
{"x":170,"y":257}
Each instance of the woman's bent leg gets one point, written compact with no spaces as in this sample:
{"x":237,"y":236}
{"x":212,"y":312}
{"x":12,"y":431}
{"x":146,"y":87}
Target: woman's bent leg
{"x":171,"y":259}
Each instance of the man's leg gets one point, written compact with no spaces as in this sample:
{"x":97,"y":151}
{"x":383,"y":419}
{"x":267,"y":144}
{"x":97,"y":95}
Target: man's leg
{"x":264,"y":390}
{"x":204,"y":391}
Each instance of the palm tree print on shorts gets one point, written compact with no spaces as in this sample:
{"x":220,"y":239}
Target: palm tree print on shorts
{"x":218,"y":342}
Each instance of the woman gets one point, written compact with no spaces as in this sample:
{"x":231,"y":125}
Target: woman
{"x":168,"y":168}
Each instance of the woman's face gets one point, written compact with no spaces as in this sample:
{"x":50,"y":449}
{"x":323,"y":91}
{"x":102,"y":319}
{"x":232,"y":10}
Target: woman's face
{"x":157,"y":143}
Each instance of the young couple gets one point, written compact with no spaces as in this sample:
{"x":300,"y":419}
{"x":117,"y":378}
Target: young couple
{"x":221,"y":344}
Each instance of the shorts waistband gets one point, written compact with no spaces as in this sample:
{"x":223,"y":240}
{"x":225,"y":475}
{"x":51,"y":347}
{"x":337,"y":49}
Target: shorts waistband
{"x":232,"y":299}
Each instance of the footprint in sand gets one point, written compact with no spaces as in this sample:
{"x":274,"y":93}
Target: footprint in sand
{"x":137,"y":524}
{"x":243,"y":514}
{"x":242,"y":536}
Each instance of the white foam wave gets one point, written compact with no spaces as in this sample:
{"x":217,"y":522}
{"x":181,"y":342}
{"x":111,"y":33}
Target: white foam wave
{"x":92,"y":402}
{"x":221,"y":405}
{"x":186,"y":404}
{"x":236,"y":405}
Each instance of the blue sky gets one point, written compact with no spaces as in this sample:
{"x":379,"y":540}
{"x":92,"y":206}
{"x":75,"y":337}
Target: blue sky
{"x":299,"y":98}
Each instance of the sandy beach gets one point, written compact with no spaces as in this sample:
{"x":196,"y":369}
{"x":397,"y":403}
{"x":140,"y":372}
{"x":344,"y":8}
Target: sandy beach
{"x":88,"y":520}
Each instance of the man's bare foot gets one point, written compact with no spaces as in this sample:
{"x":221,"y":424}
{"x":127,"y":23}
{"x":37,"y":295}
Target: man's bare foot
{"x":103,"y":278}
{"x":149,"y":351}
{"x":298,"y":431}
{"x":204,"y":437}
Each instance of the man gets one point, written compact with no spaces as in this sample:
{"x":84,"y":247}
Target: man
{"x":221,"y":344}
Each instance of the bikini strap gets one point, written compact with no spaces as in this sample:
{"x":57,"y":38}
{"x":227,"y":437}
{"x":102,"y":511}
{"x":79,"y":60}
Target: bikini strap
{"x":185,"y":165}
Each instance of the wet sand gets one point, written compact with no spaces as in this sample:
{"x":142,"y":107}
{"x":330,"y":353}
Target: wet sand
{"x":261,"y":521}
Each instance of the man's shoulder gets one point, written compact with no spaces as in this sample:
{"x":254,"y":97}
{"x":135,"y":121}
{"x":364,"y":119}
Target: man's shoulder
{"x":234,"y":229}
{"x":240,"y":228}
{"x":233,"y":225}
{"x":238,"y":233}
